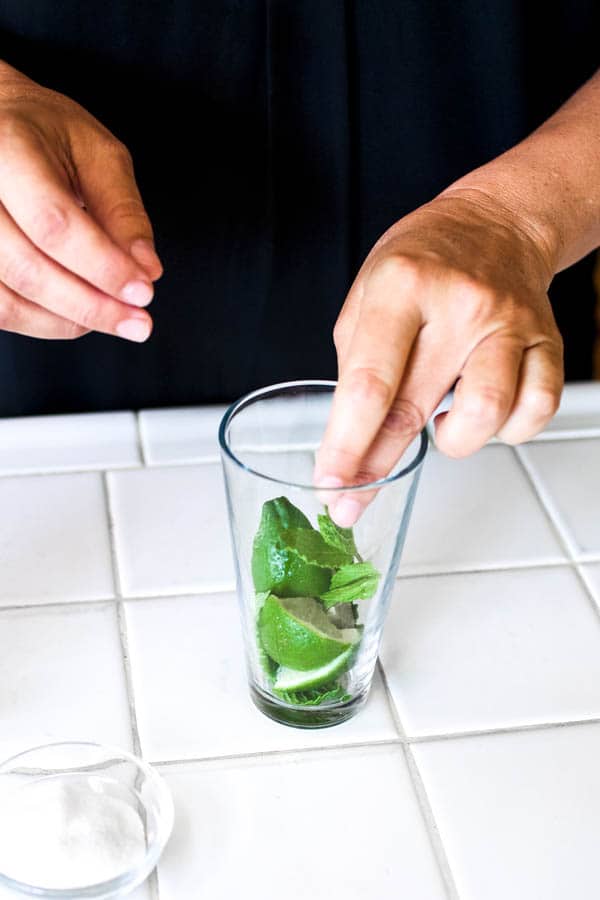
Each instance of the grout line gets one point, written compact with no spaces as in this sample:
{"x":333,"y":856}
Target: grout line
{"x":486,"y":569}
{"x":588,"y":588}
{"x":439,"y":851}
{"x":90,"y":470}
{"x":125,"y":467}
{"x":547,"y":503}
{"x":122,"y":624}
{"x":437,"y":846}
{"x":140,"y":439}
{"x":586,"y":432}
{"x":400,"y":741}
{"x":152,"y":882}
{"x":207,"y":590}
{"x":66,"y":604}
{"x":505,"y":729}
{"x":575,"y":558}
{"x":57,"y":604}
{"x":274,"y":754}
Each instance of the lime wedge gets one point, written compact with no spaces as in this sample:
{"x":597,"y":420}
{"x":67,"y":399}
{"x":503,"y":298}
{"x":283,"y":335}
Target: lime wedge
{"x":294,"y":680}
{"x":297,"y":633}
{"x":276,"y":564}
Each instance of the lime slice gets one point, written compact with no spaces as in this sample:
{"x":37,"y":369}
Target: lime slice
{"x":297,"y":633}
{"x":281,"y":569}
{"x":276,"y":563}
{"x":294,"y":680}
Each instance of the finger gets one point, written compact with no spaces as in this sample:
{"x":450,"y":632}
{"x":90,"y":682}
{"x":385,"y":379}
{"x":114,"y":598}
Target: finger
{"x":20,"y":316}
{"x":110,"y":192}
{"x":32,"y":275}
{"x":420,"y":392}
{"x":369,"y":378}
{"x":36,"y":195}
{"x":483,"y":397}
{"x":347,"y":320}
{"x":538,"y":394}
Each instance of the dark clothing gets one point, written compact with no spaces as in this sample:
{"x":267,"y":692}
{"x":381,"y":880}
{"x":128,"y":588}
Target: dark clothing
{"x":274,"y":140}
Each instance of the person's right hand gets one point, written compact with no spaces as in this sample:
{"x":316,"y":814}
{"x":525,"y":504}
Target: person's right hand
{"x":76,"y":247}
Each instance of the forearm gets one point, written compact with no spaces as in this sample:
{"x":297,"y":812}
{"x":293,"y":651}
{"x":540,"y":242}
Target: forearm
{"x":550,"y":182}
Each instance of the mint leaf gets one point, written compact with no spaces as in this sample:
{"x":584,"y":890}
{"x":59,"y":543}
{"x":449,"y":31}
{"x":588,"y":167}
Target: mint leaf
{"x":327,"y":693}
{"x":313,"y":549}
{"x":357,"y":581}
{"x":341,"y":538}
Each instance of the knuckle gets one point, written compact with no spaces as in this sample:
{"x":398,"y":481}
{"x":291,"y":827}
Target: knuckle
{"x":128,"y":209}
{"x":371,"y":386}
{"x":12,"y":129}
{"x":487,"y":404}
{"x":89,"y":317}
{"x":49,"y":226}
{"x":340,"y":334}
{"x":478,"y":301}
{"x":392,"y":269}
{"x":22,"y":275}
{"x":404,"y":419}
{"x":541,"y":403}
{"x":118,"y":151}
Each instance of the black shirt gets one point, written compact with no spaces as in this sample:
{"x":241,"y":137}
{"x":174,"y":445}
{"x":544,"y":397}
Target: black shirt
{"x":274,"y":140}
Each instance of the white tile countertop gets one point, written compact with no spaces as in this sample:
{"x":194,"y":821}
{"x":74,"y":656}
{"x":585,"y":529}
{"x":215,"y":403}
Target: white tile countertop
{"x":473,"y":772}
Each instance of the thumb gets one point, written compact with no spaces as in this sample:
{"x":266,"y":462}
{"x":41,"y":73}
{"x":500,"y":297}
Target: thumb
{"x":108,"y":189}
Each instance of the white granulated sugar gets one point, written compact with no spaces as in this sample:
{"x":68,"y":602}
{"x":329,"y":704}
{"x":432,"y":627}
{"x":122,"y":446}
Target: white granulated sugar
{"x":58,"y":833}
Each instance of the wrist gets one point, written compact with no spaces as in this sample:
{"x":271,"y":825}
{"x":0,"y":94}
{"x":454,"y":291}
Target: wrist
{"x":508,"y":207}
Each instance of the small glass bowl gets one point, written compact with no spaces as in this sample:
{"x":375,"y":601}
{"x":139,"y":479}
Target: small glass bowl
{"x":79,"y":820}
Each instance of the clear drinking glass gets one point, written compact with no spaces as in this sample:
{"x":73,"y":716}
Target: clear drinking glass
{"x":313,"y":597}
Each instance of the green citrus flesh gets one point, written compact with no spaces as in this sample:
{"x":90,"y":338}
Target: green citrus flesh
{"x":287,"y":679}
{"x":297,"y":633}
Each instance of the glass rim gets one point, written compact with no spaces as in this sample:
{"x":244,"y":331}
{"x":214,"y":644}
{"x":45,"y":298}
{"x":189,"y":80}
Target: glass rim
{"x":130,"y":876}
{"x":282,"y":387}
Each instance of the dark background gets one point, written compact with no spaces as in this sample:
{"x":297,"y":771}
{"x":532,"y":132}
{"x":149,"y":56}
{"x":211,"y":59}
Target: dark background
{"x":273,"y":143}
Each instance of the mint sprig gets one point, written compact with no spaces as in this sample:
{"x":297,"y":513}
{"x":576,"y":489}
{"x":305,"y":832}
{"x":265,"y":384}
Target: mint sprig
{"x":313,"y":549}
{"x":358,"y":581}
{"x":328,"y":693}
{"x":341,"y":538}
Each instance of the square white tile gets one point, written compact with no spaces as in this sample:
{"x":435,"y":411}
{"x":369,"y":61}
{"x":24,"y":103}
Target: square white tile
{"x":58,"y":443}
{"x":54,"y":540}
{"x":328,"y":825}
{"x":492,"y":650}
{"x":61,"y":677}
{"x":518,"y":813}
{"x":187,"y":434}
{"x":171,"y":530}
{"x":474,"y":513}
{"x":569,"y":477}
{"x":191,"y":690}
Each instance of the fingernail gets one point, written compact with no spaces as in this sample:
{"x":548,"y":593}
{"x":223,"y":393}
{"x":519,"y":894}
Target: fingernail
{"x":144,"y":253}
{"x":137,"y":293}
{"x":327,"y":481}
{"x":134,"y":330}
{"x":346,"y":512}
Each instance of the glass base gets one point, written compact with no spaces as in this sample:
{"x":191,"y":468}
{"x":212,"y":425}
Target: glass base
{"x":305,"y":716}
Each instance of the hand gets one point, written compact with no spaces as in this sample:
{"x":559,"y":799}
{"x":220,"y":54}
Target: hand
{"x":76,"y":251}
{"x":455,"y":290}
